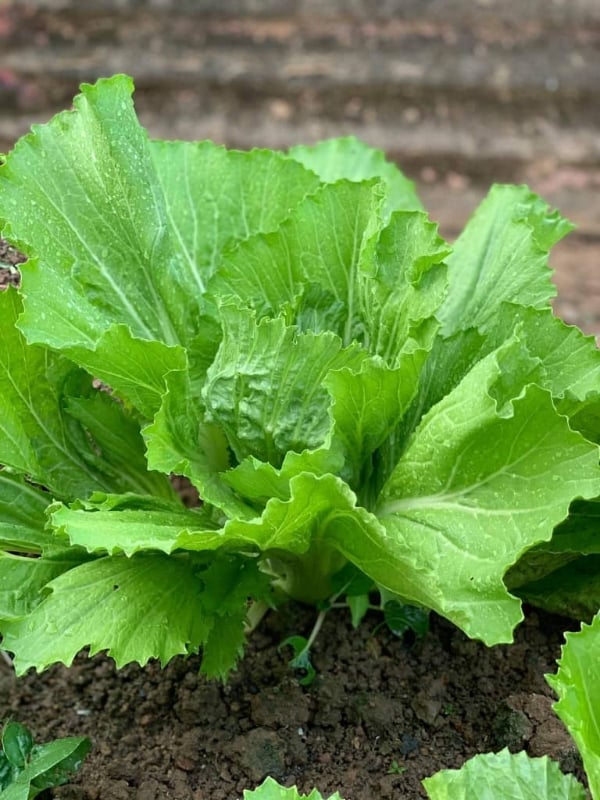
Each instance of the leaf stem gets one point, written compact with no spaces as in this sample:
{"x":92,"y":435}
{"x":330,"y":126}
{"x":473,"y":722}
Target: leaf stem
{"x":316,"y":628}
{"x":256,"y":611}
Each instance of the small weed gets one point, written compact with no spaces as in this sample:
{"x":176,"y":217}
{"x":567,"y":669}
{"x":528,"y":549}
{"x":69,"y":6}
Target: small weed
{"x":396,"y":769}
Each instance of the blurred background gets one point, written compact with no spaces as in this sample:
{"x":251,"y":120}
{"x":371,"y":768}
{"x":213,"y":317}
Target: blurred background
{"x":461,"y":93}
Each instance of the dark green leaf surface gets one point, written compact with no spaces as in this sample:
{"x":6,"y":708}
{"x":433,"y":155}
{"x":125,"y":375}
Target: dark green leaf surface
{"x":49,"y":765}
{"x":22,"y":515}
{"x":16,"y":743}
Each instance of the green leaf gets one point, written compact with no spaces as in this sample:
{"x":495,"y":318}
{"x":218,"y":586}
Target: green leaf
{"x":230,"y":584}
{"x":458,"y":513}
{"x":22,"y":515}
{"x":271,"y":790}
{"x":180,"y":441}
{"x":402,"y":287}
{"x":507,"y":775}
{"x":135,"y":608}
{"x":147,"y":606}
{"x":259,"y":481}
{"x":358,"y":605}
{"x":120,"y":223}
{"x":134,"y":368}
{"x":81,"y":193}
{"x":224,"y":645}
{"x":368,"y":405}
{"x":563,"y":575}
{"x":37,"y":435}
{"x":17,"y":791}
{"x":24,"y":579}
{"x":307,"y":536}
{"x":119,"y":439}
{"x":354,"y":160}
{"x":501,"y":256}
{"x":568,"y":361}
{"x":572,"y":590}
{"x":128,"y":524}
{"x":562,"y":360}
{"x":580,"y":532}
{"x":8,"y":773}
{"x":56,"y":762}
{"x":300,"y":661}
{"x":400,"y":618}
{"x":317,"y":506}
{"x":237,"y":193}
{"x":321,"y":245}
{"x":586,"y":417}
{"x":577,"y":685}
{"x":449,"y":361}
{"x":351,"y":582}
{"x":50,"y":765}
{"x":16,"y":743}
{"x":264,"y":388}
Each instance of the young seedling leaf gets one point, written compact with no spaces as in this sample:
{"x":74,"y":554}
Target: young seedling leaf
{"x":358,"y":604}
{"x":300,"y":661}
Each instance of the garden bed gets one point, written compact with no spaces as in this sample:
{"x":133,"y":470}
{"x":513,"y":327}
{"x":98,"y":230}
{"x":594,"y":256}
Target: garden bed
{"x":382,"y":714}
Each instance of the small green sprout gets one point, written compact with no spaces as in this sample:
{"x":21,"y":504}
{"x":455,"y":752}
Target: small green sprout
{"x":396,"y":769}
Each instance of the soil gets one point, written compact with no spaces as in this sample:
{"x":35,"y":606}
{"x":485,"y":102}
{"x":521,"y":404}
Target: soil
{"x":382,"y":714}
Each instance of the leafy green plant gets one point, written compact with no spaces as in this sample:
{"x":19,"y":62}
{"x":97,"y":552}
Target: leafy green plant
{"x":26,"y":769}
{"x":350,"y":395}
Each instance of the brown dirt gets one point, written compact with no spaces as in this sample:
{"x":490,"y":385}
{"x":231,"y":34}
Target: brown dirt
{"x":377,"y":701}
{"x":9,"y":262}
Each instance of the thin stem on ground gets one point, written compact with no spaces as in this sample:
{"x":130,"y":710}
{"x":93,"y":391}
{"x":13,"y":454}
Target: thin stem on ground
{"x":315,"y":631}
